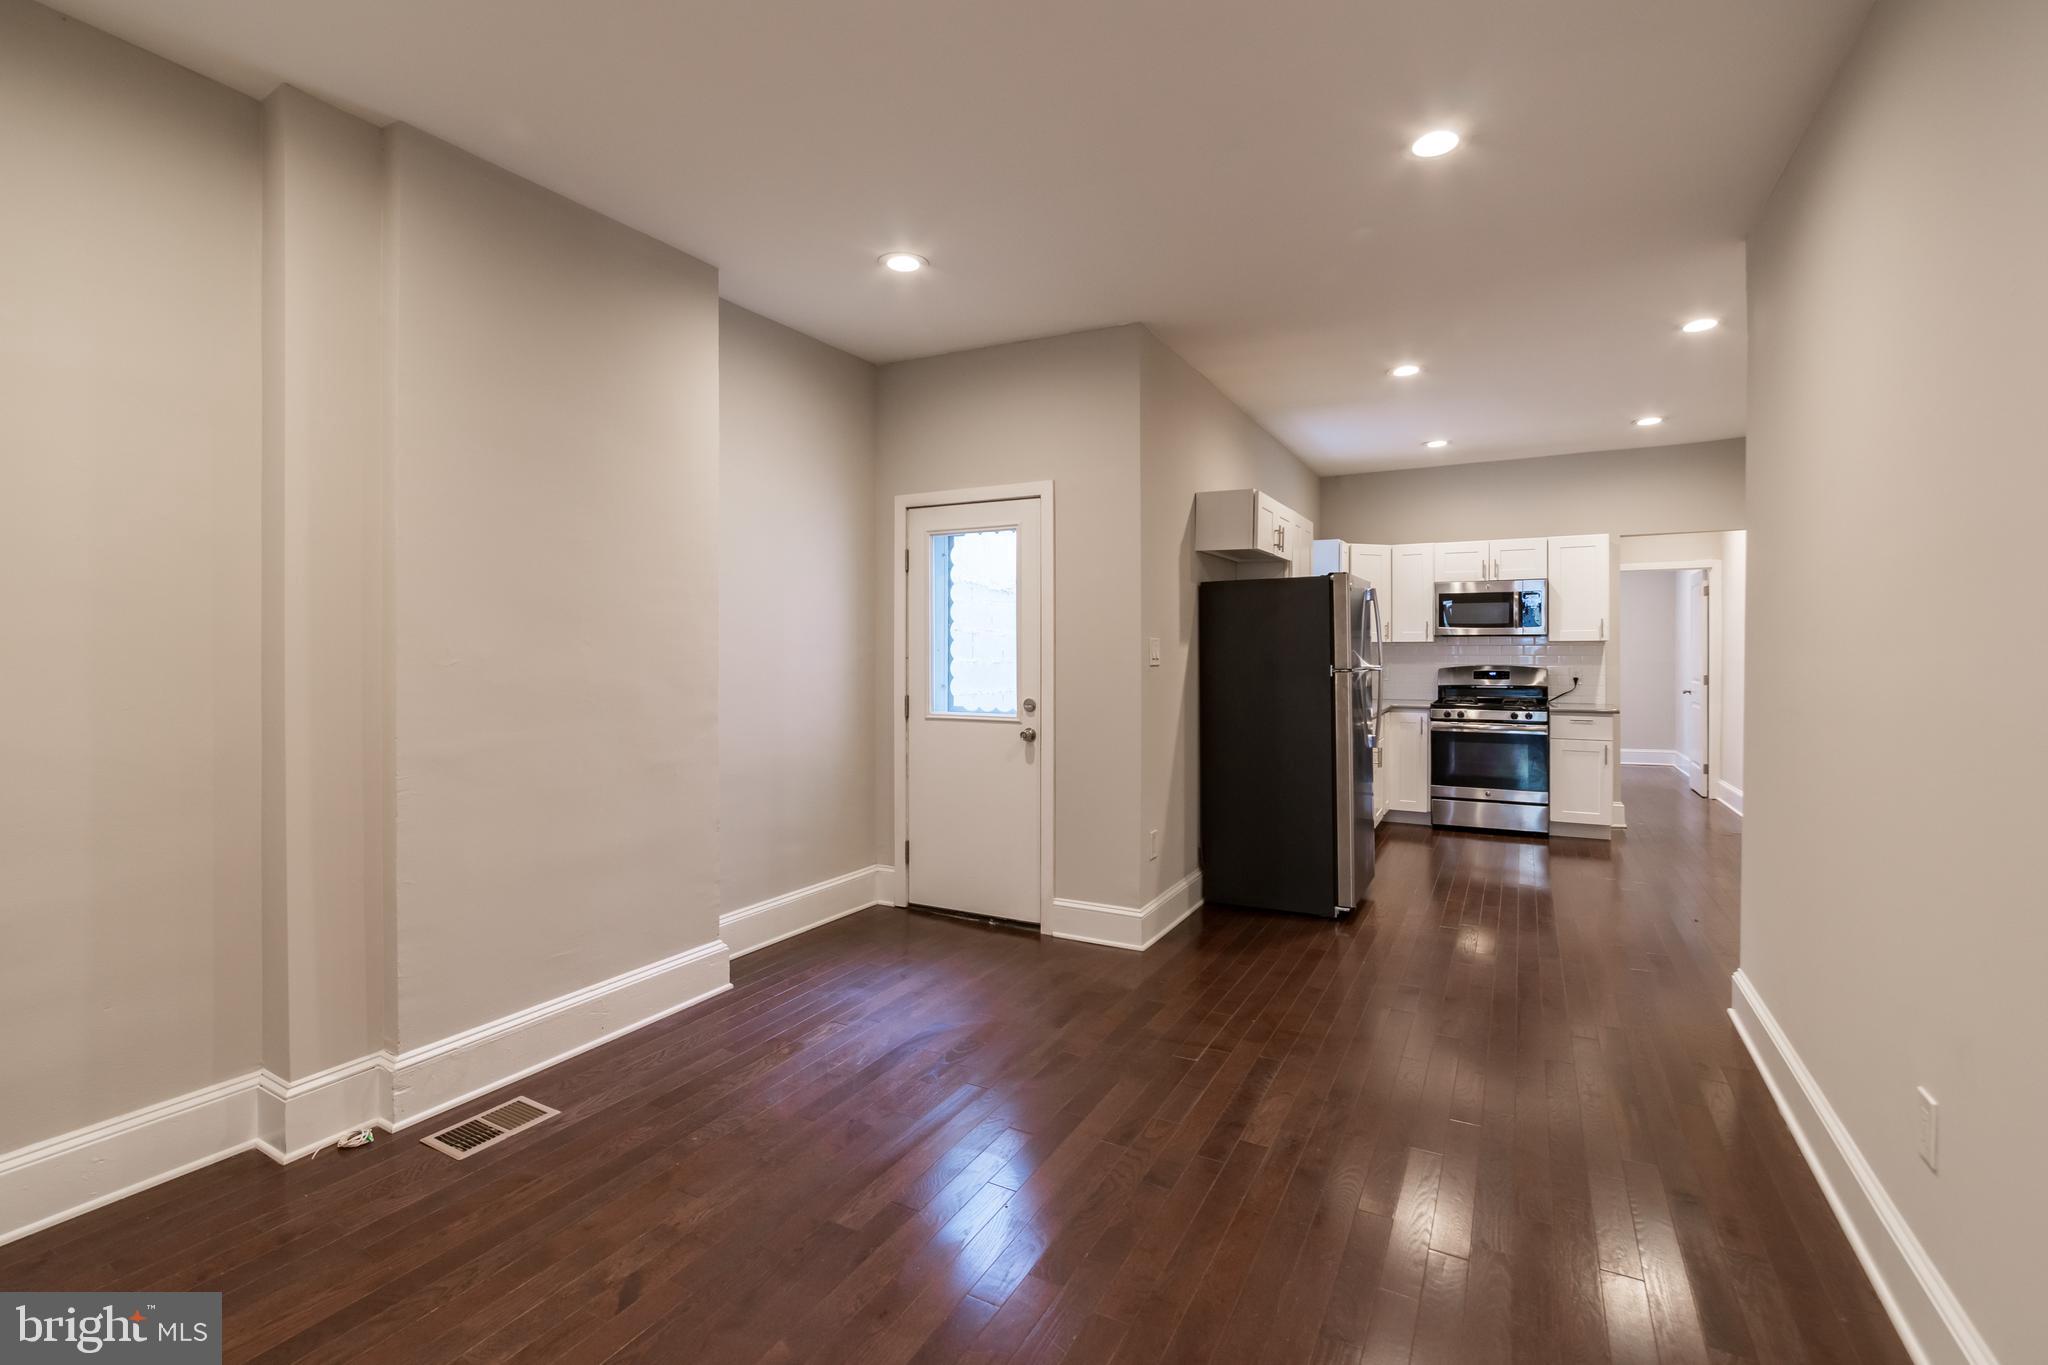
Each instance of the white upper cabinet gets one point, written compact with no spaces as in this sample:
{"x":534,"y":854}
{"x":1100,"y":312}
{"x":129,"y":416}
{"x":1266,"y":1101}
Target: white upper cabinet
{"x":1374,"y":564}
{"x":1466,"y":561}
{"x":1462,"y":561}
{"x":1581,"y":584}
{"x":1410,"y":605}
{"x":1249,"y":526}
{"x":1301,"y":545}
{"x":1371,"y":563}
{"x":1521,"y":558}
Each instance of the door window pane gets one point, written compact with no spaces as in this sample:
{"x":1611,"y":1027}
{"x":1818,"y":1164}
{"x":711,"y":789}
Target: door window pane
{"x":974,"y":623}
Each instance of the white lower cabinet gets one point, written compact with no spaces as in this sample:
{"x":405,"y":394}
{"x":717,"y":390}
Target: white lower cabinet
{"x":1405,"y":736}
{"x":1382,"y":782}
{"x":1582,"y":759}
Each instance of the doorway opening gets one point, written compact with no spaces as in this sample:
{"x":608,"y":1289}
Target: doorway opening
{"x":1668,"y":714}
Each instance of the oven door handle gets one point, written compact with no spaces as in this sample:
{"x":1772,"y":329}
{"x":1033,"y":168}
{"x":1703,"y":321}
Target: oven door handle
{"x":1469,"y":729}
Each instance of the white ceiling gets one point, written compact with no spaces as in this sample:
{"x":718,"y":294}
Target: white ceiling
{"x":1233,"y":172}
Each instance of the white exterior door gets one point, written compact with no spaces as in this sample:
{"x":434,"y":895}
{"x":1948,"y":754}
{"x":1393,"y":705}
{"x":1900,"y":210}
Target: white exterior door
{"x":1692,"y":674}
{"x":976,"y":731}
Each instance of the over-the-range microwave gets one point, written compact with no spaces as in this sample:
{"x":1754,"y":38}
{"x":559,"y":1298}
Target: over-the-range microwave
{"x":1493,"y":606}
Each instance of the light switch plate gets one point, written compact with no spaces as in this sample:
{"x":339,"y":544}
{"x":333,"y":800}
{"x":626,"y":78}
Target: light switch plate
{"x":1930,"y":1127}
{"x":1152,"y":650}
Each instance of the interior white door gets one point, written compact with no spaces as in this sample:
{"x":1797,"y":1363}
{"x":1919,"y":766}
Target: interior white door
{"x":976,"y":730}
{"x":1693,"y":677}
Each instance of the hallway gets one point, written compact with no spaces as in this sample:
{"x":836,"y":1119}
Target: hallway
{"x":1501,"y":1117}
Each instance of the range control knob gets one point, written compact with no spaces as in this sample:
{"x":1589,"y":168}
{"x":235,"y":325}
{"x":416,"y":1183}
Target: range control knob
{"x":1461,"y":715}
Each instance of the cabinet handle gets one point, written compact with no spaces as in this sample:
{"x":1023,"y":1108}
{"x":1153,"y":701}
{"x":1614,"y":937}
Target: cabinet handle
{"x":1603,"y":631}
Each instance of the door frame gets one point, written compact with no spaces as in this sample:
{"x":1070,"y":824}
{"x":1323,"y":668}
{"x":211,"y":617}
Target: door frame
{"x":899,"y":727}
{"x":1711,"y":740}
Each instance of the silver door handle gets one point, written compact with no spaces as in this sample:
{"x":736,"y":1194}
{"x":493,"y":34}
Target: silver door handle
{"x":1027,"y":734}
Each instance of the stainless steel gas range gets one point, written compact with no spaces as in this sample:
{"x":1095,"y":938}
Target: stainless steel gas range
{"x":1489,"y":749}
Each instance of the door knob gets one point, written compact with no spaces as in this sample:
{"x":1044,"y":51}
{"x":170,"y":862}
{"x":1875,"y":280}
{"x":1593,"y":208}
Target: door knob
{"x":1027,"y":734}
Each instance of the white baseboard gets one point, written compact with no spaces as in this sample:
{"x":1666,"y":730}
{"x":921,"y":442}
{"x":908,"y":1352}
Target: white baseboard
{"x":1120,"y":926}
{"x":1620,"y":816}
{"x":1728,"y":795}
{"x":1929,"y":1318}
{"x":780,"y":917}
{"x":1651,"y":758}
{"x":295,"y":1118}
{"x":426,"y":1080}
{"x":64,"y":1176}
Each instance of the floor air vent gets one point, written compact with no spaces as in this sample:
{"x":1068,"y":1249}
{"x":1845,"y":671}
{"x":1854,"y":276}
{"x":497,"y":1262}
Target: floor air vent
{"x":472,"y":1135}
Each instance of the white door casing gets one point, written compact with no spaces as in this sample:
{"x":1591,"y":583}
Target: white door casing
{"x":976,"y":750}
{"x":1693,"y":653}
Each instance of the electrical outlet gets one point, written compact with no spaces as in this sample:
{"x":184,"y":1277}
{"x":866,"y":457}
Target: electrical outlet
{"x":1930,"y":1128}
{"x":1152,"y":846}
{"x":1152,"y":650}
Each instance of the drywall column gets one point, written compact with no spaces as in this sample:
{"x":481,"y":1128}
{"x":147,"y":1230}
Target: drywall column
{"x":130,"y":586}
{"x":1891,"y":875}
{"x":554,"y":502}
{"x":325,"y":705}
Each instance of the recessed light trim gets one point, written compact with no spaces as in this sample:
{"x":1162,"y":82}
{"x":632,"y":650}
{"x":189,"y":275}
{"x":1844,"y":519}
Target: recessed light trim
{"x":1698,"y":325}
{"x":1649,"y":421}
{"x":1435,"y":143}
{"x":1438,"y":444}
{"x":1407,"y":369}
{"x":904,"y":262}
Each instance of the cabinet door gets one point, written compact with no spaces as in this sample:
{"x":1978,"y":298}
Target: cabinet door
{"x":1371,"y":563}
{"x":1521,"y":559}
{"x":1411,"y":789}
{"x":1301,"y":547}
{"x":1580,"y":770}
{"x":1266,"y":530}
{"x":1579,"y":587}
{"x":1461,"y":561}
{"x":1382,"y":778}
{"x":1411,"y":599}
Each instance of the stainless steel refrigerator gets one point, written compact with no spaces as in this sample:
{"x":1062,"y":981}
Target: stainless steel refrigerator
{"x":1289,"y":697}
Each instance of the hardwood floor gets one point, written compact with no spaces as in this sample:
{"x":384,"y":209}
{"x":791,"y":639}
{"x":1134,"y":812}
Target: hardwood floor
{"x":1503,"y":1116}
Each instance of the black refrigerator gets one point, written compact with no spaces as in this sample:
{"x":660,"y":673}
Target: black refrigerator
{"x":1289,"y":698}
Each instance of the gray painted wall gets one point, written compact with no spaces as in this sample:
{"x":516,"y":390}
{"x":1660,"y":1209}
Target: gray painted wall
{"x":1192,"y":439}
{"x":555,"y":551}
{"x":1891,"y":892}
{"x":130,"y":577}
{"x":798,"y":636}
{"x":1065,"y":409}
{"x":1627,"y":492}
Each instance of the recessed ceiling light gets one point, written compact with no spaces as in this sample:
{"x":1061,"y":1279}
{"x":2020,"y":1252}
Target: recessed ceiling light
{"x":1438,"y":444}
{"x":1406,"y":371}
{"x":1435,"y":143}
{"x":1701,"y":325}
{"x":1649,"y":421}
{"x":904,"y":262}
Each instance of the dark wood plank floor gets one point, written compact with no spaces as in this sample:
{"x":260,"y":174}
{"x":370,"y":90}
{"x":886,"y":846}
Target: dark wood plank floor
{"x":1501,"y":1117}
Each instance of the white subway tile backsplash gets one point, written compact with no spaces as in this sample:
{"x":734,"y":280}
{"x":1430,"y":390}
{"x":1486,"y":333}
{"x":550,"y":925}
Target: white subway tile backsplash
{"x":1411,"y":668}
